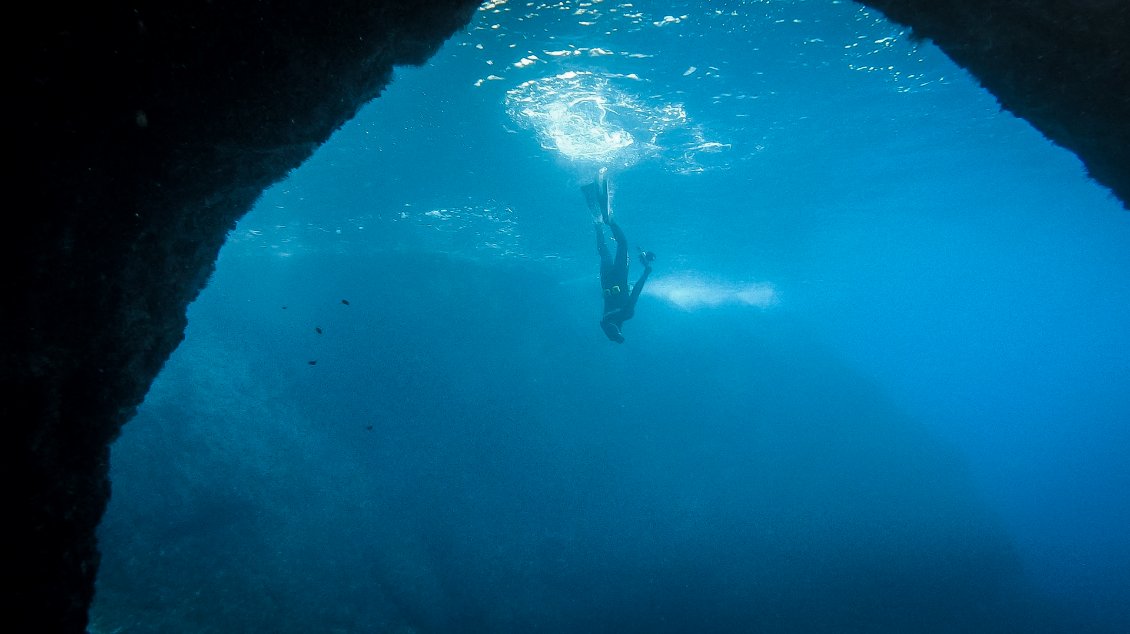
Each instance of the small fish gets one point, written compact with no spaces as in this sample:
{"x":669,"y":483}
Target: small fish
{"x":345,"y":301}
{"x":284,"y":307}
{"x":318,"y":329}
{"x":313,"y":362}
{"x":369,"y":427}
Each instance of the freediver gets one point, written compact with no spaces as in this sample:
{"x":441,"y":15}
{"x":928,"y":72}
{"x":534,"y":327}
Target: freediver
{"x":619,"y":299}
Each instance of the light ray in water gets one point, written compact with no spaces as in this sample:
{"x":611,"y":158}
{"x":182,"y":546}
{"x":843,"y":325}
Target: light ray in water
{"x":690,"y":292}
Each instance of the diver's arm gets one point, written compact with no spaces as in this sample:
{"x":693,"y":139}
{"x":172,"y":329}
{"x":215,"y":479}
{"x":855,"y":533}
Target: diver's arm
{"x":639,"y":285}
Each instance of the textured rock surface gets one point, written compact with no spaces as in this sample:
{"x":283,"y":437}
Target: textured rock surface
{"x":144,"y":130}
{"x":1063,"y":66}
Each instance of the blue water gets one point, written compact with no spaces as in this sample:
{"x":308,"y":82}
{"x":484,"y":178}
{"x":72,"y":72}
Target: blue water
{"x":876,"y":383}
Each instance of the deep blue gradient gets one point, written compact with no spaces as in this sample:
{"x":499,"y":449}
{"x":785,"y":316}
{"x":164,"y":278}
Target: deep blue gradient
{"x":877,"y":382}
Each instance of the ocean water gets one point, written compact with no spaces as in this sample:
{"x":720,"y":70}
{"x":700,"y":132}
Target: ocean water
{"x":877,"y":381}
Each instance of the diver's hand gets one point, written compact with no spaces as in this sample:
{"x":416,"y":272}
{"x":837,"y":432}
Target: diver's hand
{"x":646,"y":258}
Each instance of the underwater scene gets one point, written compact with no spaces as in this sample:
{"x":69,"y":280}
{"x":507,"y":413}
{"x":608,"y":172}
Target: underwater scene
{"x":866,"y":371}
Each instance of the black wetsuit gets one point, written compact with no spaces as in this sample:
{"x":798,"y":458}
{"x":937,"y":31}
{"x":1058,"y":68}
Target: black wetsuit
{"x":619,"y":300}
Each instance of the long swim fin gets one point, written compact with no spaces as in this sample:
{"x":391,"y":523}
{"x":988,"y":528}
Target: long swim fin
{"x":596,"y":195}
{"x":592,"y":198}
{"x":605,"y":209}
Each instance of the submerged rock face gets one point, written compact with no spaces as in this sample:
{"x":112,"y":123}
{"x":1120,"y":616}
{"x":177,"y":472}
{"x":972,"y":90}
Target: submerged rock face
{"x":143,"y":132}
{"x":1063,"y":66}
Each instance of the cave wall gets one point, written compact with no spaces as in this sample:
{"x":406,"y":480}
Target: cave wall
{"x":1063,"y":66}
{"x":142,"y":131}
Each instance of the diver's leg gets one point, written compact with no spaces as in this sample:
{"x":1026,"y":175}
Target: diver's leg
{"x":601,"y":247}
{"x":621,"y":245}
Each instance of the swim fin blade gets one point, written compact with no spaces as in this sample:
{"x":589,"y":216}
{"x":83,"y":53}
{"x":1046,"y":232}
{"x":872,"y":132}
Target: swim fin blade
{"x":596,"y":195}
{"x":602,"y":194}
{"x":592,"y":197}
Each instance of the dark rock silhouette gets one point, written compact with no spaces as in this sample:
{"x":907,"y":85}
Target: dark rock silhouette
{"x":1063,"y":66}
{"x":141,"y":133}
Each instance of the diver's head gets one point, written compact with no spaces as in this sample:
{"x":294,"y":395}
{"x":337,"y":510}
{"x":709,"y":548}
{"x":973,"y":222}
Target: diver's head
{"x":612,"y":331}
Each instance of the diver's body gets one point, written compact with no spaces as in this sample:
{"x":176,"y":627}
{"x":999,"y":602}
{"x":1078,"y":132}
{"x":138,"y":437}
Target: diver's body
{"x":619,"y":299}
